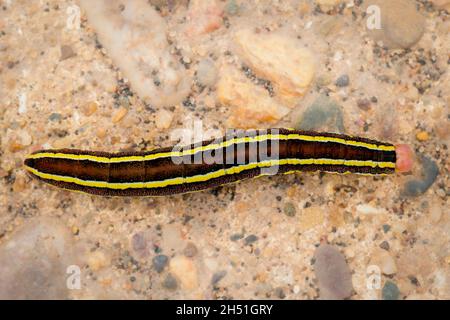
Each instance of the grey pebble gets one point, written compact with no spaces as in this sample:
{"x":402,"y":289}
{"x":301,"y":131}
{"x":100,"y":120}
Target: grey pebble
{"x":160,"y":262}
{"x":342,"y":81}
{"x":289,"y":209}
{"x":324,"y":113}
{"x":390,"y":291}
{"x":218,"y":276}
{"x":416,"y":187}
{"x":170,"y":282}
{"x":236,"y":236}
{"x":55,"y":117}
{"x":333,"y":273}
{"x":250,"y":239}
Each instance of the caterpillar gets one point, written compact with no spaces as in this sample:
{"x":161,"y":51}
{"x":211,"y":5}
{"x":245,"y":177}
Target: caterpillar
{"x":211,"y":163}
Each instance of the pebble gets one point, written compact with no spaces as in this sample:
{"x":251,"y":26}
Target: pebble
{"x":190,"y":250}
{"x":323,"y":114}
{"x":170,"y":282}
{"x":163,"y":119}
{"x":390,"y":291}
{"x":217,"y":277}
{"x":206,"y":73}
{"x":280,"y":58}
{"x":416,"y":187}
{"x":67,"y":52}
{"x":363,"y":104}
{"x":185,"y":270}
{"x":231,"y":8}
{"x":89,"y":108}
{"x":422,"y":136}
{"x":159,"y":262}
{"x":97,"y":260}
{"x":289,"y":209}
{"x":55,"y":117}
{"x":250,"y":239}
{"x":119,"y":115}
{"x":154,"y":74}
{"x":342,"y":81}
{"x":332,"y":273}
{"x":385,"y":245}
{"x":402,"y":25}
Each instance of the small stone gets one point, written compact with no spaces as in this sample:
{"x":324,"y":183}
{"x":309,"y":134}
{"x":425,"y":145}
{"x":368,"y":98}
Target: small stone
{"x":67,"y":52}
{"x":160,"y":262}
{"x":384,"y":245}
{"x":416,"y":187}
{"x":163,"y":119}
{"x":289,"y":209}
{"x":98,"y":260}
{"x":231,"y":8}
{"x":280,"y":59}
{"x":323,"y":114}
{"x":342,"y":81}
{"x":55,"y":117}
{"x":402,"y":25}
{"x":170,"y":282}
{"x":190,"y":250}
{"x":19,"y":184}
{"x":89,"y":108}
{"x":75,"y":230}
{"x":332,"y":273}
{"x":185,"y":271}
{"x":386,"y":228}
{"x":101,"y":133}
{"x":119,"y":115}
{"x":250,"y":239}
{"x":363,"y":104}
{"x":236,"y":236}
{"x":206,"y":72}
{"x":390,"y":291}
{"x":422,"y":136}
{"x":217,"y":277}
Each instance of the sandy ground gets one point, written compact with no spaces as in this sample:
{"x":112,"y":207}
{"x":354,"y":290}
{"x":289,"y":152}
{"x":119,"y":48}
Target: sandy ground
{"x":60,"y":86}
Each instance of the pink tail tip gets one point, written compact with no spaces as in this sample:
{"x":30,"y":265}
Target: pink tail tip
{"x":405,"y":158}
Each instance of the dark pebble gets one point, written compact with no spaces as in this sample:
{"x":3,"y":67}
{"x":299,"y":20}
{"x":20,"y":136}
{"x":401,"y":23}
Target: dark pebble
{"x":385,"y":245}
{"x":342,"y":81}
{"x":390,"y":291}
{"x":279,"y":292}
{"x":363,"y":104}
{"x":250,"y":239}
{"x":170,"y":282}
{"x":217,"y":277}
{"x":160,"y":262}
{"x":416,"y":187}
{"x":386,"y":228}
{"x":236,"y":237}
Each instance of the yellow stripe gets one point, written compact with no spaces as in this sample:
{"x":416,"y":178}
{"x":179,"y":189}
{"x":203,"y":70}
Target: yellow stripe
{"x":207,"y":176}
{"x":211,"y":147}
